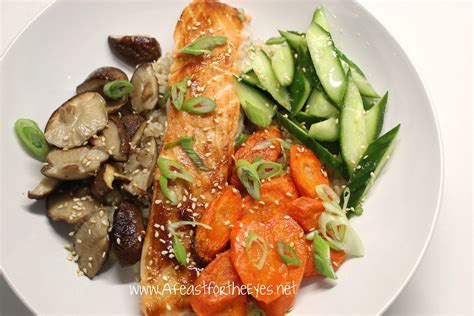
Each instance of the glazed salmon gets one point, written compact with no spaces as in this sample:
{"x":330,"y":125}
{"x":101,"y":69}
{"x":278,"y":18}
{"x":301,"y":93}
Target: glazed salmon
{"x":212,"y":76}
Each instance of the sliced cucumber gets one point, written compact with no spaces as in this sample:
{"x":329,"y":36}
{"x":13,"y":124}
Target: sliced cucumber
{"x":251,"y":78}
{"x":283,"y":65}
{"x":321,"y":152}
{"x":320,"y":18}
{"x":364,"y":86}
{"x":353,"y":132}
{"x":300,"y":90}
{"x":320,"y":106}
{"x":374,"y":119}
{"x":369,"y":102}
{"x":326,"y":62}
{"x":326,"y":131}
{"x":296,"y":41}
{"x":258,"y":108}
{"x":308,"y":118}
{"x":262,"y":66}
{"x":370,"y":167}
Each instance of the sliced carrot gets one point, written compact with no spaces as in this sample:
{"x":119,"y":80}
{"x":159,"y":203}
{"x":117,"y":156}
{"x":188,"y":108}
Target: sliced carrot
{"x":219,"y":273}
{"x":237,"y":307}
{"x":286,"y":230}
{"x":306,"y":212}
{"x":247,"y":260}
{"x":276,"y":195}
{"x":337,"y":258}
{"x":223,"y":212}
{"x":248,"y":152}
{"x":306,"y":170}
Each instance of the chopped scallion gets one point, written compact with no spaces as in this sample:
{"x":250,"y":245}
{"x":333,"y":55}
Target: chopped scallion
{"x":173,"y":170}
{"x":322,"y":257}
{"x":249,"y":178}
{"x":203,"y":45}
{"x":117,"y":89}
{"x":32,"y":138}
{"x":199,"y":105}
{"x":179,"y":251}
{"x":170,"y":195}
{"x":254,"y":238}
{"x":288,"y":254}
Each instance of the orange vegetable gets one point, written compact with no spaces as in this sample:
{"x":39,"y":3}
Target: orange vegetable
{"x":223,"y":212}
{"x":276,"y":195}
{"x":237,"y":307}
{"x":288,"y":231}
{"x":337,"y":258}
{"x":306,"y":212}
{"x":259,"y":263}
{"x":246,"y":150}
{"x":306,"y":170}
{"x":219,"y":273}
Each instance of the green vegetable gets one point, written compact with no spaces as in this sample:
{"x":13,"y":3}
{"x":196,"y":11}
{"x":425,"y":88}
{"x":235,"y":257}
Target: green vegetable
{"x":322,"y":257}
{"x":203,"y":45}
{"x":374,"y":119}
{"x":283,"y":65}
{"x":327,"y":130}
{"x":300,"y":89}
{"x":251,"y":78}
{"x":178,"y":90}
{"x":306,"y":118}
{"x":319,"y":105}
{"x":173,"y":170}
{"x":170,"y":195}
{"x":249,"y":178}
{"x":267,"y":169}
{"x":242,"y":138}
{"x":187,"y":143}
{"x":320,"y":18}
{"x":117,"y":89}
{"x":175,"y":225}
{"x":164,"y":99}
{"x":254,"y":238}
{"x":179,"y":251}
{"x":199,"y":105}
{"x":288,"y":254}
{"x":32,"y":138}
{"x":275,"y":41}
{"x":258,"y":107}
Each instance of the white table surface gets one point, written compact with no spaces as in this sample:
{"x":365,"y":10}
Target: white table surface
{"x":438,"y":37}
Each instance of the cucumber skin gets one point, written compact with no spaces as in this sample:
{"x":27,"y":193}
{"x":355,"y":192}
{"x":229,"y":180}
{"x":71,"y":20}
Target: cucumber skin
{"x":374,"y":119}
{"x":314,"y":35}
{"x":306,"y":118}
{"x":283,"y":65}
{"x":251,"y":78}
{"x":376,"y":157}
{"x":320,"y":18}
{"x":320,"y":151}
{"x":325,"y":131}
{"x":314,"y":105}
{"x":299,"y":90}
{"x":253,"y":103}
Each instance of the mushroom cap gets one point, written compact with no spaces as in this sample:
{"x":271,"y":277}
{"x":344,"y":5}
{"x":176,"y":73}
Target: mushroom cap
{"x":135,"y":49}
{"x":103,"y":181}
{"x":71,"y":205}
{"x":45,"y":187}
{"x":145,"y":93}
{"x":74,"y":164}
{"x":77,"y":120}
{"x":132,"y":122}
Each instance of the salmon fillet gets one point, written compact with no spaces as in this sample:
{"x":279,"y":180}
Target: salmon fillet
{"x":212,"y":76}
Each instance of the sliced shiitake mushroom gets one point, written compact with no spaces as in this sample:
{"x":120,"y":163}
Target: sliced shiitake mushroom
{"x":132,"y":122}
{"x":145,"y":93}
{"x":137,"y":137}
{"x":77,"y":120}
{"x":127,"y":233}
{"x":139,"y":167}
{"x":91,"y":243}
{"x":45,"y":187}
{"x":74,"y":164}
{"x":71,"y":205}
{"x":135,"y":49}
{"x":103,"y":181}
{"x":114,"y":139}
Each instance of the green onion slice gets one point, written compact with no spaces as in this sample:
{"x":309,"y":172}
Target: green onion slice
{"x":32,"y":138}
{"x":203,"y":45}
{"x":248,"y":176}
{"x":173,"y":170}
{"x":117,"y":89}
{"x":288,"y":254}
{"x":187,"y":143}
{"x":242,"y":138}
{"x":326,"y":193}
{"x":199,"y":105}
{"x":179,"y":251}
{"x":172,"y":227}
{"x":170,"y":195}
{"x":178,"y":90}
{"x":254,"y":238}
{"x":171,"y":145}
{"x":346,"y":195}
{"x":267,"y":169}
{"x":322,"y":257}
{"x":164,"y":99}
{"x":275,"y":41}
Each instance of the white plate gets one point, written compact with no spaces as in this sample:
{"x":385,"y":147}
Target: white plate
{"x":65,"y":43}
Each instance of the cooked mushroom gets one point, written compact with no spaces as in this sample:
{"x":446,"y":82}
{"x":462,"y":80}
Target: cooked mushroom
{"x":114,"y":139}
{"x":135,"y":49}
{"x":74,"y":164}
{"x":45,"y":187}
{"x":156,"y":125}
{"x":91,"y":243}
{"x":127,"y":233}
{"x":145,"y":93}
{"x":139,"y":167}
{"x":74,"y":122}
{"x":137,"y":137}
{"x":132,"y":123}
{"x":73,"y":205}
{"x":103,"y":181}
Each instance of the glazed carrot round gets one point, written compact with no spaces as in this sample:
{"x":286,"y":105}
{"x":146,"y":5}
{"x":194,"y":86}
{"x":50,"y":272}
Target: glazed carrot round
{"x":337,"y":258}
{"x":255,"y":258}
{"x":276,"y":195}
{"x":219,"y":273}
{"x":306,"y":212}
{"x":248,"y":152}
{"x":306,"y":170}
{"x":222,"y":214}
